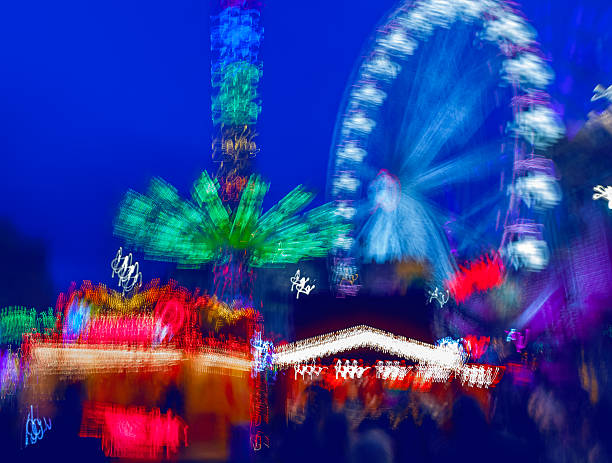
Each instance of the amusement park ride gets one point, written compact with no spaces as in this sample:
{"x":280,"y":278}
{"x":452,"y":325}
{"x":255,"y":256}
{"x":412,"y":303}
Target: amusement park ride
{"x":165,"y":331}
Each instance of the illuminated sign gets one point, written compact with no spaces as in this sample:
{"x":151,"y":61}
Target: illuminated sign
{"x":128,"y":274}
{"x":439,"y":296}
{"x":35,"y":429}
{"x":300,"y":285}
{"x":520,"y":341}
{"x":605,"y":193}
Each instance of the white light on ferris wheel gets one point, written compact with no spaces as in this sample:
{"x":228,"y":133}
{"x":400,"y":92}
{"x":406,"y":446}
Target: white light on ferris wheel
{"x":539,"y":125}
{"x":508,"y":27}
{"x":359,"y":123}
{"x":369,"y":94}
{"x":529,"y":253}
{"x":352,"y":153}
{"x":346,"y":182}
{"x":345,"y":211}
{"x":529,"y":69}
{"x":398,"y":41}
{"x":538,"y":190}
{"x":380,"y":65}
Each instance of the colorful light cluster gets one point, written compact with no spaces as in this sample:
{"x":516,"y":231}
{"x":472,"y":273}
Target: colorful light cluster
{"x":76,"y":321}
{"x":236,"y":35}
{"x":168,"y":228}
{"x":157,"y":315}
{"x":17,"y":321}
{"x":262,"y":351}
{"x":234,"y":144}
{"x":477,"y":276}
{"x":345,"y":273}
{"x":134,"y":432}
{"x":11,"y":373}
{"x":236,"y":100}
{"x":231,"y":187}
{"x":103,"y":299}
{"x":221,"y":314}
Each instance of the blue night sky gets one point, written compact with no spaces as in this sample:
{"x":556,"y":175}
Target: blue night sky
{"x":98,"y":97}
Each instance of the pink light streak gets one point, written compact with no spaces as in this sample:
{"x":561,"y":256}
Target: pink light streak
{"x":133,"y":432}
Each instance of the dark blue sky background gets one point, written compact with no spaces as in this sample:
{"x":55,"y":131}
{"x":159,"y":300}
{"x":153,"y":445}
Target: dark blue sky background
{"x":98,"y":97}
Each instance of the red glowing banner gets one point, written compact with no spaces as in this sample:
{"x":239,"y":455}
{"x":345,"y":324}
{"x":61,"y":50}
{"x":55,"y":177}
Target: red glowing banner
{"x":120,"y":330}
{"x":133,"y":432}
{"x":478,"y":276}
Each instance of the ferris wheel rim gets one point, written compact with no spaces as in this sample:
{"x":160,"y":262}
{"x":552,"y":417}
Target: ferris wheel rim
{"x":514,"y":48}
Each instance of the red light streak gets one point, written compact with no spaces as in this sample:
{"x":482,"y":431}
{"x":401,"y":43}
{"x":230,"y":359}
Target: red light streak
{"x":478,"y":276}
{"x":476,"y":347}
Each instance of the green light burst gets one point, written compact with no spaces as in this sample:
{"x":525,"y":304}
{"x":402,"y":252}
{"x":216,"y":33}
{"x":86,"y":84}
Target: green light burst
{"x":169,"y":228}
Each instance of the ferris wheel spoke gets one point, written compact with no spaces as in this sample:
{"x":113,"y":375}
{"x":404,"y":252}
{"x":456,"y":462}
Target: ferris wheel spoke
{"x":457,"y":118}
{"x":459,"y":169}
{"x":474,"y":225}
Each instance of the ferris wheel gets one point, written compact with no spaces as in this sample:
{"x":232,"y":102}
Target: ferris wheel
{"x":437,"y":150}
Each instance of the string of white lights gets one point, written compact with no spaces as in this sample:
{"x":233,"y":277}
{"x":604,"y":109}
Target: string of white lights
{"x":361,"y":336}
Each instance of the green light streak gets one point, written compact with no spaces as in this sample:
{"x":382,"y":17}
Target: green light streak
{"x":17,"y":321}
